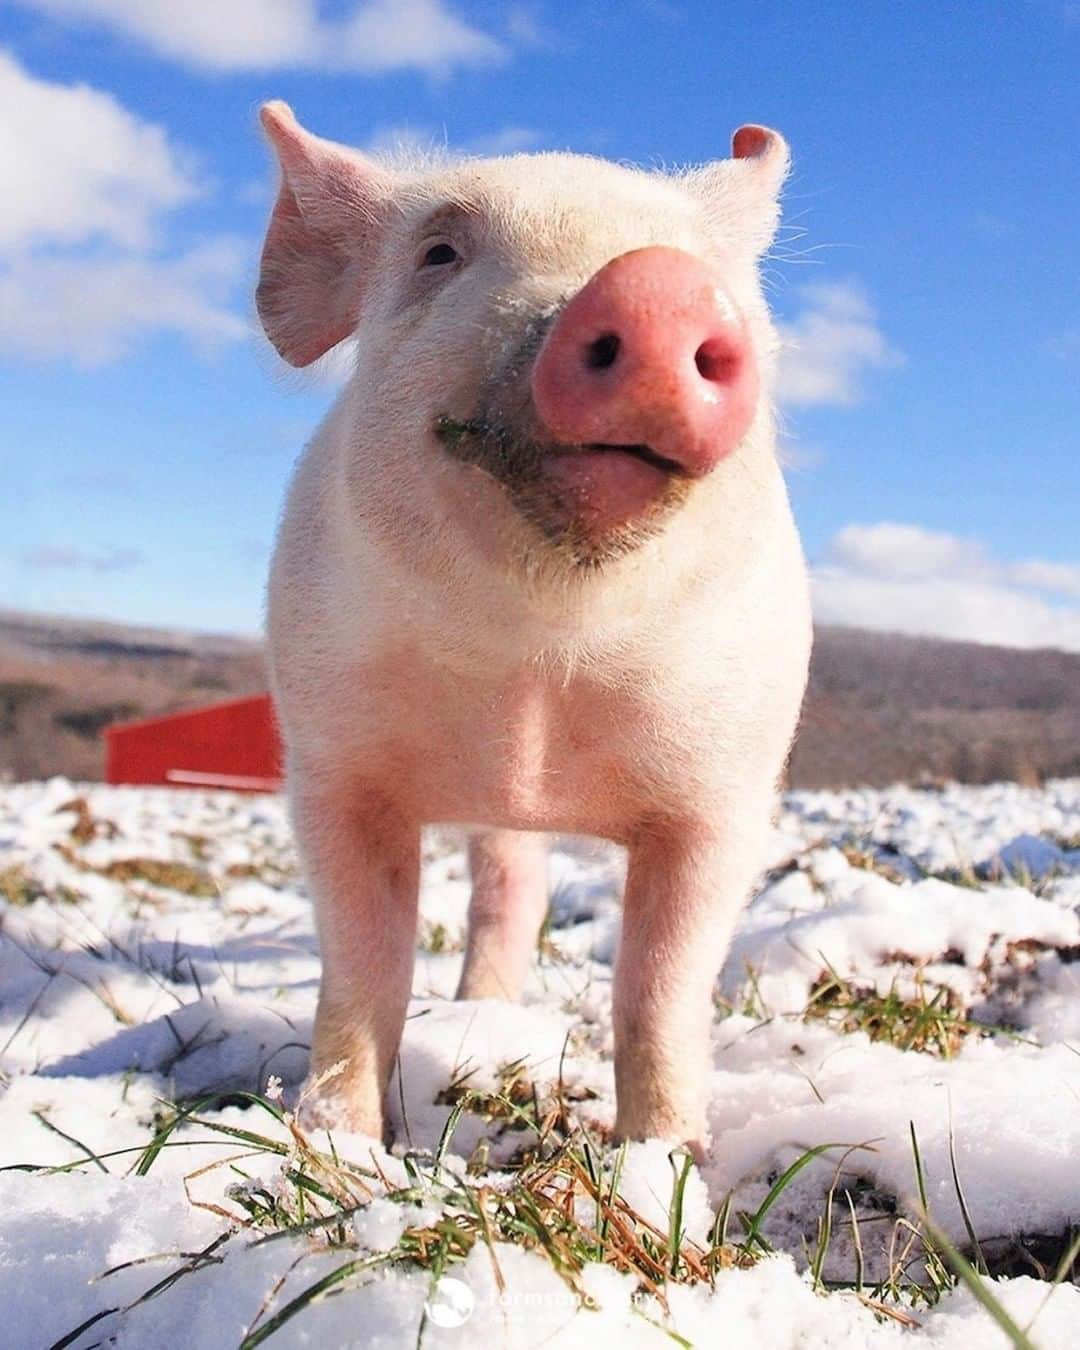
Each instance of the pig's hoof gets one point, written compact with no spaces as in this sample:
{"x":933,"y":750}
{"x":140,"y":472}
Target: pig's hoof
{"x":678,"y":1131}
{"x":333,"y":1112}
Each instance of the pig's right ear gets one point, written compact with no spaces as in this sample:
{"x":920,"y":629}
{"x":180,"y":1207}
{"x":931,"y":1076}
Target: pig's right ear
{"x":323,"y":230}
{"x":742,"y":193}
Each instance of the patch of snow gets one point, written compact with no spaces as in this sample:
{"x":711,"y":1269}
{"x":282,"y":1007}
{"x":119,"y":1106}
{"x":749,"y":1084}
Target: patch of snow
{"x":123,"y":991}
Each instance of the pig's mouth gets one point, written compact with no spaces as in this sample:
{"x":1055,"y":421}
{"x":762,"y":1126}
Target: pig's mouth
{"x":454,"y":433}
{"x":645,"y":453}
{"x":595,"y":501}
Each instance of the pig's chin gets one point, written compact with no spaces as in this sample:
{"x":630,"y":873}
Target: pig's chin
{"x":593,"y":503}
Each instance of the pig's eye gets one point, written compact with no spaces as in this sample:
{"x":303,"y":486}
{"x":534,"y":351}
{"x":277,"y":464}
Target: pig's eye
{"x":440,"y":255}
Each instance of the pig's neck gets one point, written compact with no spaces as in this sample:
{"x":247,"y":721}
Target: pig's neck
{"x":468,"y":614}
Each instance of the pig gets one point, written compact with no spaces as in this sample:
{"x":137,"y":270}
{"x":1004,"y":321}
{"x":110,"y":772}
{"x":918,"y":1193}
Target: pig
{"x":537,"y":572}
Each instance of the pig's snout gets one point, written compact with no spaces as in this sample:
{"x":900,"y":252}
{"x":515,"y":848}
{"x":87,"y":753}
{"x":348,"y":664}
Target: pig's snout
{"x":650,"y":352}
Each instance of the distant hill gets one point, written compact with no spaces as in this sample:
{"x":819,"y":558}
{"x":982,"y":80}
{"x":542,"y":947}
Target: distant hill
{"x":62,"y":680}
{"x":882,"y":708}
{"x":885,"y":708}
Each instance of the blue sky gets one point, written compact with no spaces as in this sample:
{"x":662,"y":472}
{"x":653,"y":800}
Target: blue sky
{"x":931,"y":301}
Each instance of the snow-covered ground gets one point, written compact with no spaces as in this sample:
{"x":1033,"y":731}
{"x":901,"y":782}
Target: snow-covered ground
{"x":156,"y":947}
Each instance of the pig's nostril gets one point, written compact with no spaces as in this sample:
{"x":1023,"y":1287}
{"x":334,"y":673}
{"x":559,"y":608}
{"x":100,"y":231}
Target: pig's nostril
{"x":603,"y":352}
{"x":716,"y":361}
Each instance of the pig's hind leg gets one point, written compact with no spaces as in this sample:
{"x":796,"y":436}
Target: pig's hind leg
{"x":509,"y":901}
{"x":362,"y":860}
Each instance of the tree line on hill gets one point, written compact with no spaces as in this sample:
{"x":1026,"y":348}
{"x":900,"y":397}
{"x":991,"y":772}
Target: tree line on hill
{"x":881,"y":708}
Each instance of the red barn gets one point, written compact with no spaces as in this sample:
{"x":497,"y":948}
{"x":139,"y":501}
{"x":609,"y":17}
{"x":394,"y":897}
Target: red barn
{"x":227,"y":745}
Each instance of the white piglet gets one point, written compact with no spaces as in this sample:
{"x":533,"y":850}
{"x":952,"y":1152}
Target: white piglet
{"x":537,"y":572}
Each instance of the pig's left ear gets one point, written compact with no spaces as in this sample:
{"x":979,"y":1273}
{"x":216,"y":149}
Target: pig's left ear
{"x":743,"y":193}
{"x":330,"y":209}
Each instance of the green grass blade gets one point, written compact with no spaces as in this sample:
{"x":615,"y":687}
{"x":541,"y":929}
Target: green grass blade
{"x":93,"y":1157}
{"x":678,"y":1198}
{"x":310,"y":1295}
{"x":753,"y":1224}
{"x":613,"y":1189}
{"x":448,"y":1131}
{"x":74,"y":1335}
{"x":980,"y":1260}
{"x":920,"y":1175}
{"x":856,"y":1239}
{"x":967,"y":1274}
{"x":824,"y":1240}
{"x":190,"y":1112}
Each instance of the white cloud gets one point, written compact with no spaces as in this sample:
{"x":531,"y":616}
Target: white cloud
{"x":405,"y":143}
{"x":511,"y":140}
{"x":77,"y":166}
{"x":524,"y":26}
{"x":62,"y":557}
{"x":1062,"y":578}
{"x":902,"y":578}
{"x":830,"y":345}
{"x":393,"y":34}
{"x":88,"y":191}
{"x":374,"y":36}
{"x":94,"y":309}
{"x":904,"y":551}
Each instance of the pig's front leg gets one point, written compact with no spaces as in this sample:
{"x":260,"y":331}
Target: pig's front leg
{"x":684,"y":892}
{"x":363,"y":863}
{"x":509,"y":901}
